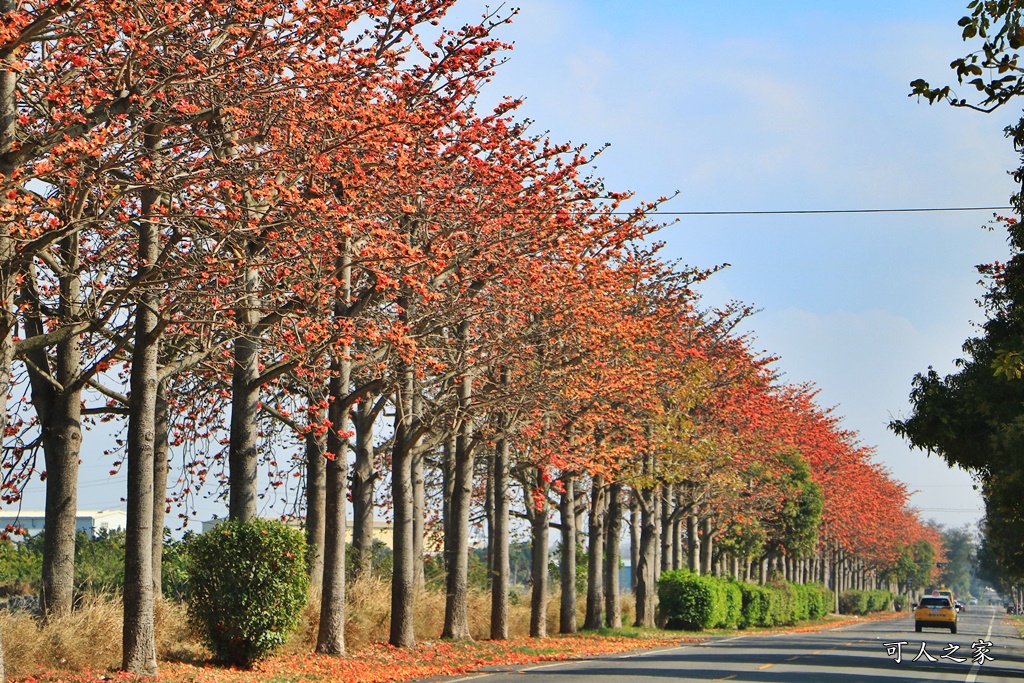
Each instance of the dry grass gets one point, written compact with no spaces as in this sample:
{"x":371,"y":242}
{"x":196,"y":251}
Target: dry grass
{"x":90,"y":637}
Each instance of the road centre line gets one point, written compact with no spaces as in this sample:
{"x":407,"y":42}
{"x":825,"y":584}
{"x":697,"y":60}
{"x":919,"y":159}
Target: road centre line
{"x":972,"y":675}
{"x":709,"y":643}
{"x":658,"y":651}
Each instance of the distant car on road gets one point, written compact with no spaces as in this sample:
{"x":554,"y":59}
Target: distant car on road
{"x":935,"y":611}
{"x":972,"y":601}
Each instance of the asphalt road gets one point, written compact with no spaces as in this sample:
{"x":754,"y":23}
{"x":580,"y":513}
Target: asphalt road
{"x":862,"y":652}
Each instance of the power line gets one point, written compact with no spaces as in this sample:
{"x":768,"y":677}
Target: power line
{"x":798,"y":212}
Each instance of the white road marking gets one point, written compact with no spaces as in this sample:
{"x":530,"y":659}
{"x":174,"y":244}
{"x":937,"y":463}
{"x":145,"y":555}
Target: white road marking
{"x":972,"y":675}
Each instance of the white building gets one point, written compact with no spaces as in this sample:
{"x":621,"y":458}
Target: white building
{"x":88,"y":522}
{"x":382,"y":531}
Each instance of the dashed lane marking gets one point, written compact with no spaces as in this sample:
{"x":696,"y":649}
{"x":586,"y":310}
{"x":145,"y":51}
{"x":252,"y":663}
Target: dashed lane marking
{"x":972,"y":675}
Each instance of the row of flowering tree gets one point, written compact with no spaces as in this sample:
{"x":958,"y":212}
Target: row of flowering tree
{"x":234,"y":226}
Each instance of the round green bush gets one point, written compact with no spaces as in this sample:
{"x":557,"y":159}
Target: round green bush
{"x":879,"y":600}
{"x":247,"y":587}
{"x":686,"y":600}
{"x":853,"y":602}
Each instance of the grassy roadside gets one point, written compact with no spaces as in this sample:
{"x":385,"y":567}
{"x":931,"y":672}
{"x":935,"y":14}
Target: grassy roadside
{"x":1018,"y":623}
{"x":378,"y":663}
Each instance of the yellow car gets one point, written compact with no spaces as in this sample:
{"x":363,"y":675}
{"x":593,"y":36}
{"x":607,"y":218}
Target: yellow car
{"x":935,"y":611}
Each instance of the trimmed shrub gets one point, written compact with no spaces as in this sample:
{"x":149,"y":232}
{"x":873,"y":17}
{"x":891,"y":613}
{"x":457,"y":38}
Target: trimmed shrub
{"x":801,"y":602}
{"x":853,"y":602}
{"x":781,"y":610}
{"x":733,"y":595}
{"x":671,"y":588}
{"x":756,"y":605}
{"x":247,"y":587}
{"x":821,"y":600}
{"x":686,"y":600}
{"x":878,"y":601}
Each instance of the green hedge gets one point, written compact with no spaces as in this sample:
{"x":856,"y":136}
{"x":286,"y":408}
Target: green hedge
{"x":697,"y":602}
{"x":756,"y":605}
{"x":864,"y":602}
{"x":733,"y":604}
{"x":823,"y":600}
{"x":687,"y":600}
{"x":879,"y":601}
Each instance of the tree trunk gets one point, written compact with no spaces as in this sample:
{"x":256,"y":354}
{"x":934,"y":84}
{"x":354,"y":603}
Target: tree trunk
{"x":456,"y":615}
{"x":331,"y":631}
{"x":488,"y":467}
{"x":677,"y":538}
{"x":692,"y":544}
{"x":58,"y":569}
{"x":161,"y":466}
{"x":403,"y":577}
{"x":706,"y":546}
{"x":834,"y":576}
{"x":330,"y":638}
{"x":243,"y":454}
{"x":567,"y":567}
{"x":419,"y":515}
{"x":613,"y":606}
{"x":665,"y":547}
{"x":647,"y":558}
{"x":8,"y":132}
{"x":594,"y":618}
{"x":539,"y":559}
{"x":138,"y":634}
{"x":634,"y":539}
{"x":658,"y":531}
{"x":419,"y":493}
{"x":316,"y":496}
{"x":500,"y":540}
{"x":59,"y":411}
{"x":447,"y":491}
{"x":363,"y":478}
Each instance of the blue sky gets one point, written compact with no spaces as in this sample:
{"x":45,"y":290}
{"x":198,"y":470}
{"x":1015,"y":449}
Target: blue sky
{"x":758,"y":106}
{"x":753,"y":106}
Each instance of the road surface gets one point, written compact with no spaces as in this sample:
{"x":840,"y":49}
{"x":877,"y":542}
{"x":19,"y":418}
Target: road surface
{"x":869,"y":652}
